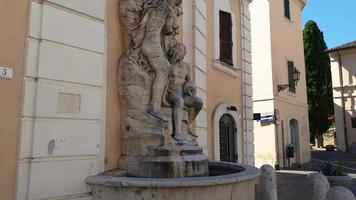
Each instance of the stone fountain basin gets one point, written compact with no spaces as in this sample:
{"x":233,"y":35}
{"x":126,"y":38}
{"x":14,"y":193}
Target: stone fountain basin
{"x":227,"y":181}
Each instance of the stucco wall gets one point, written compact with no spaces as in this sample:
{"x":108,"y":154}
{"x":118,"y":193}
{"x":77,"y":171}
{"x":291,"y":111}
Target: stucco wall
{"x":113,"y":116}
{"x":282,"y":40}
{"x":289,"y":112}
{"x":287,"y":44}
{"x":63,"y":116}
{"x":348,"y":63}
{"x":222,"y":86}
{"x":13,"y":26}
{"x":261,"y":48}
{"x":265,"y":144}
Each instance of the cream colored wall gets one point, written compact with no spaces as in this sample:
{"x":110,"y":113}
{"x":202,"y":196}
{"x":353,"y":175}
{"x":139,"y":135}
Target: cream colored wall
{"x":285,"y":42}
{"x":289,"y":46}
{"x":63,"y":116}
{"x":265,"y":151}
{"x":261,"y":51}
{"x":288,"y":112}
{"x":271,"y":140}
{"x":13,"y":26}
{"x":348,"y":60}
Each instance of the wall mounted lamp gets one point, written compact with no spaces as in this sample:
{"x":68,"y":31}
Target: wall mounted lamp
{"x":295,"y":75}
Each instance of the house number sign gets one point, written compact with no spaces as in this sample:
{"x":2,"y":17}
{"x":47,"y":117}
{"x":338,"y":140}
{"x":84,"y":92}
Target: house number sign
{"x":6,"y":72}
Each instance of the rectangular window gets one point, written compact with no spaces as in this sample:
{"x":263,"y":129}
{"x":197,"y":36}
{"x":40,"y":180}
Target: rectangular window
{"x":287,"y":8}
{"x":353,"y":122}
{"x":290,"y":78}
{"x":226,"y":44}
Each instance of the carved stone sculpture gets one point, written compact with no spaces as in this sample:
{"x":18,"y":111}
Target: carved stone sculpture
{"x":157,"y":93}
{"x":181,"y":92}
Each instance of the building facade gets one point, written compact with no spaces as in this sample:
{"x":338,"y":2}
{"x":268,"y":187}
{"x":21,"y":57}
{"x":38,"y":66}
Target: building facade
{"x":61,"y":119}
{"x":278,"y":50}
{"x":343,"y":62}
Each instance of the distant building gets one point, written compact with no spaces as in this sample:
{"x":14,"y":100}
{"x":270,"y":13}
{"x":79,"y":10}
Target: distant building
{"x":343,"y":71}
{"x":277,"y":54}
{"x":60,"y":118}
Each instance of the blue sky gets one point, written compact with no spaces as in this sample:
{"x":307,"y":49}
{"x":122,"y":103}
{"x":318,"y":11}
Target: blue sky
{"x":336,"y":18}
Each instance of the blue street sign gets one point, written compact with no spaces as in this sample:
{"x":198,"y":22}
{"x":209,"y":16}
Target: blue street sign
{"x":267,"y":118}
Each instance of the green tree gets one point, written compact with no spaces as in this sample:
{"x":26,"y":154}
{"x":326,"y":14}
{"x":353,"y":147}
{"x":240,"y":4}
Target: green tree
{"x":318,"y":75}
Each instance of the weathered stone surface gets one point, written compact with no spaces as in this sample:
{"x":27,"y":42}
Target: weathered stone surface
{"x":176,"y":162}
{"x":156,"y":90}
{"x":340,"y":193}
{"x":320,"y":185}
{"x":138,"y":143}
{"x":231,"y":182}
{"x":268,"y":185}
{"x":160,"y":158}
{"x":344,"y":181}
{"x":294,"y":185}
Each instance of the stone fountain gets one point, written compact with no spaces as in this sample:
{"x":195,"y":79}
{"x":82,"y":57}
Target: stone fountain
{"x":161,"y":157}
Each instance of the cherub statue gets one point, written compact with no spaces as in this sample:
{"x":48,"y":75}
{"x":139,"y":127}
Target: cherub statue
{"x":159,"y":20}
{"x":181,"y":91}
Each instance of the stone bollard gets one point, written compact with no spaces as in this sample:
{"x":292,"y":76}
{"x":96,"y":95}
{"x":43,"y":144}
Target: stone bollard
{"x":268,"y":185}
{"x":320,"y":186}
{"x":340,"y":193}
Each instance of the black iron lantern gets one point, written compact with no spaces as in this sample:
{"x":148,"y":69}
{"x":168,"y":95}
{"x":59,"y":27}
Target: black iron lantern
{"x":295,"y":75}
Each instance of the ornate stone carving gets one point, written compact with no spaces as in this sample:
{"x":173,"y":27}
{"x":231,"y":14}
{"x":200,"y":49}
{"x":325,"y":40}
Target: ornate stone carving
{"x":157,"y":93}
{"x":152,"y":72}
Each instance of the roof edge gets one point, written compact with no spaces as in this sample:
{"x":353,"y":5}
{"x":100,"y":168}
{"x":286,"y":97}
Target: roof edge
{"x":346,"y":46}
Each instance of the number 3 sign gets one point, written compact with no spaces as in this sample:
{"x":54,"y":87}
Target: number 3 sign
{"x":6,"y":73}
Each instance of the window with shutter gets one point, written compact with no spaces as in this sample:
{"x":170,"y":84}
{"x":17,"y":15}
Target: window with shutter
{"x":290,"y":78}
{"x":226,"y":44}
{"x":287,"y":8}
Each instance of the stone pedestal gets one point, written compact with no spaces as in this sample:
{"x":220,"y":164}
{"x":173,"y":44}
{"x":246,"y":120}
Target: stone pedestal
{"x":176,"y":162}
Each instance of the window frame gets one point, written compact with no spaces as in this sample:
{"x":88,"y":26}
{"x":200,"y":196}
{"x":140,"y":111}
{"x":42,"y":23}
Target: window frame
{"x":224,"y":5}
{"x":225,"y":29}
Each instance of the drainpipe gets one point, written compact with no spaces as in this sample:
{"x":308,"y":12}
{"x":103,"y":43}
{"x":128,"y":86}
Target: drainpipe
{"x":343,"y":102}
{"x":277,"y":164}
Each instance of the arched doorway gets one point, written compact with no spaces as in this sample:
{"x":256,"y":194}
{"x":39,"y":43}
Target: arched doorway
{"x":228,"y":139}
{"x":294,"y":137}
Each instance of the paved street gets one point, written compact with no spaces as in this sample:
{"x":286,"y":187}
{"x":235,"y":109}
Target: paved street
{"x":344,"y":160}
{"x":347,"y":161}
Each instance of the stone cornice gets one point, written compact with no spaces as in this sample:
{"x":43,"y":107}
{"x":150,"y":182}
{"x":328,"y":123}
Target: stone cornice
{"x":302,"y":2}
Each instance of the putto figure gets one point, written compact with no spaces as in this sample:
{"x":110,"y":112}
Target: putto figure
{"x":158,"y":24}
{"x":153,"y":77}
{"x":182,"y":92}
{"x":157,"y":95}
